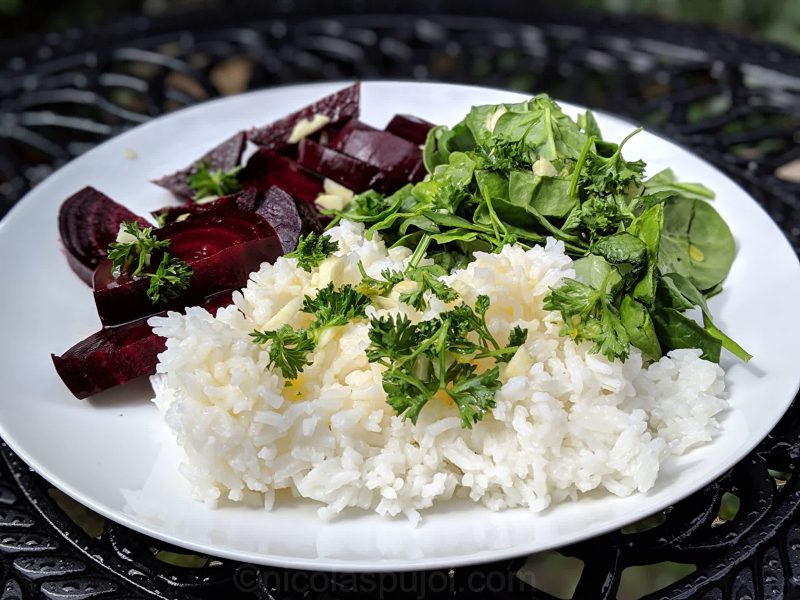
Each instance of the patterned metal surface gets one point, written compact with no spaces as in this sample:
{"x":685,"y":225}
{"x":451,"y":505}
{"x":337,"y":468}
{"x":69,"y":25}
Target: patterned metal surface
{"x":733,"y":101}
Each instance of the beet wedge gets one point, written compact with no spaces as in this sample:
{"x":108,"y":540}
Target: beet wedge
{"x":280,"y":211}
{"x":399,"y":160}
{"x":88,"y":222}
{"x":116,"y":355}
{"x":410,"y":128}
{"x":266,"y":169}
{"x":348,"y":128}
{"x":275,"y":205}
{"x":336,"y":108}
{"x":336,"y":166}
{"x":244,"y":200}
{"x":225,"y":156}
{"x":222,"y":248}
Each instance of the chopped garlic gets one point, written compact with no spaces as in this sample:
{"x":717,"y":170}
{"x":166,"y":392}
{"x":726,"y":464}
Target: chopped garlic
{"x":331,"y":271}
{"x":337,"y":189}
{"x":493,"y":118}
{"x":330,"y":202}
{"x":205,"y":199}
{"x":305,"y":127}
{"x":544,"y":168}
{"x":123,"y":237}
{"x":520,"y":364}
{"x":284,"y":315}
{"x":335,"y":197}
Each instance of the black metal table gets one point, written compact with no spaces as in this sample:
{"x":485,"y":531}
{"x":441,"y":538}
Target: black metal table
{"x":733,"y":101}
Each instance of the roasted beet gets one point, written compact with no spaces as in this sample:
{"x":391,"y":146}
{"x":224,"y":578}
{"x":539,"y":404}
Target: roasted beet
{"x":410,"y":128}
{"x":348,"y":128}
{"x":222,"y":247}
{"x":223,"y":157}
{"x":275,"y":205}
{"x":337,"y":107}
{"x":341,"y":168}
{"x":266,"y":169}
{"x":116,"y":355}
{"x":399,"y":160}
{"x":280,"y":211}
{"x":88,"y":222}
{"x":244,"y":200}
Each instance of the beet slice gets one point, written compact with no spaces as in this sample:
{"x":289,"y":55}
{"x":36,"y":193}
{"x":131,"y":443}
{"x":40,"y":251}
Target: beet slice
{"x":410,"y":128}
{"x":222,"y":247}
{"x":88,"y":221}
{"x":399,"y":160}
{"x":266,"y":169}
{"x":244,"y":200}
{"x":225,"y":156}
{"x":275,"y":205}
{"x":280,"y":211}
{"x":116,"y":355}
{"x":341,"y":168}
{"x":338,"y":107}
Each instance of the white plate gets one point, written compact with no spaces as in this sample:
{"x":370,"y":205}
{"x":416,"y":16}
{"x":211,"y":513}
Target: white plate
{"x":113,"y":453}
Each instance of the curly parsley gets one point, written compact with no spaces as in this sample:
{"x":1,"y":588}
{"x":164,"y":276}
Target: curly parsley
{"x":312,"y":250}
{"x":205,"y":182}
{"x":133,"y":254}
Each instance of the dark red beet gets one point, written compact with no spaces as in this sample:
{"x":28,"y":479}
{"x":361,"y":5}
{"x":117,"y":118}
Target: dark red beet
{"x":266,"y":169}
{"x":399,"y":160}
{"x":223,"y":157}
{"x":410,"y":128}
{"x":244,"y":200}
{"x":338,"y":107}
{"x":88,"y":222}
{"x":349,"y":127}
{"x":222,"y":247}
{"x":311,"y":218}
{"x":116,"y":355}
{"x":280,"y":211}
{"x":345,"y":170}
{"x":275,"y":205}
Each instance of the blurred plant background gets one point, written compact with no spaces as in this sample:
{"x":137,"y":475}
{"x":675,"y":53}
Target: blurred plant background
{"x":774,"y":20}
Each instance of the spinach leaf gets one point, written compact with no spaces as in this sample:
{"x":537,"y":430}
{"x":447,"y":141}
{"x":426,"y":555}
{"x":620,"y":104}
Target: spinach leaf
{"x":549,"y":196}
{"x":622,"y":248}
{"x":594,"y":270}
{"x":647,"y":227}
{"x":676,"y":330}
{"x":692,"y":296}
{"x":666,"y":182}
{"x":695,"y":242}
{"x":639,"y":325}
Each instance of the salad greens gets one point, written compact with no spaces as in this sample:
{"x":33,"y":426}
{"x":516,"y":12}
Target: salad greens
{"x":647,"y":250}
{"x":135,"y":247}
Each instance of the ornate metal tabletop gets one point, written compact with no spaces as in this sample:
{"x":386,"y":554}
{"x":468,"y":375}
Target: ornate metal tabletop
{"x":731,"y":100}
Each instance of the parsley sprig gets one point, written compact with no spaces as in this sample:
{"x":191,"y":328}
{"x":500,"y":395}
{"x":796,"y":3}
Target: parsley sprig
{"x":205,"y":182}
{"x":136,"y":248}
{"x":290,"y":349}
{"x":312,"y":250}
{"x":133,"y":255}
{"x":433,"y":359}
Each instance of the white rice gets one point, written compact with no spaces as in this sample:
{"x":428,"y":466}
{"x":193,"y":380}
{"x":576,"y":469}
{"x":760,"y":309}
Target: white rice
{"x":566,"y":421}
